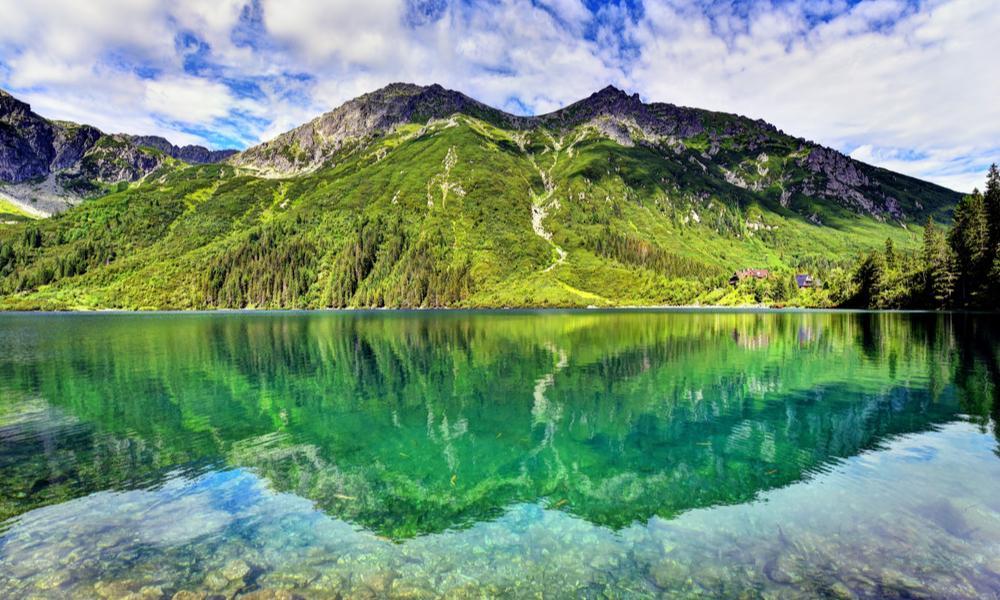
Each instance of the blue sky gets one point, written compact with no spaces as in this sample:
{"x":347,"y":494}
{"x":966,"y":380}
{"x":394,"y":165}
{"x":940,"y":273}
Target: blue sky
{"x":906,"y":84}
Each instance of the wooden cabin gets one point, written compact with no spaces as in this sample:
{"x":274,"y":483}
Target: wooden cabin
{"x":739,"y":276}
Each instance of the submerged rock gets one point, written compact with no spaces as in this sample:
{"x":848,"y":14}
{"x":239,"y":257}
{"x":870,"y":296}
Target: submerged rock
{"x":148,"y":592}
{"x":782,"y":569}
{"x":409,"y":591}
{"x":270,"y":594}
{"x":898,"y":584}
{"x":669,"y":574}
{"x":992,"y":565}
{"x":216,"y":581}
{"x":235,"y":570}
{"x":841,"y":592}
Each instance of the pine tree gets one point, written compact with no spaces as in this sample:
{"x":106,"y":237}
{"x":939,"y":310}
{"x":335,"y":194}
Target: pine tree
{"x":993,"y":282}
{"x":992,"y":202}
{"x":890,"y":254}
{"x":969,"y":240}
{"x":869,"y":280}
{"x":938,"y":275}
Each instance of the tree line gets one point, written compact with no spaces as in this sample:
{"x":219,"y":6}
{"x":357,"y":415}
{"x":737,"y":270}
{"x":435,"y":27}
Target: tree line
{"x":631,"y":250}
{"x":958,"y":269}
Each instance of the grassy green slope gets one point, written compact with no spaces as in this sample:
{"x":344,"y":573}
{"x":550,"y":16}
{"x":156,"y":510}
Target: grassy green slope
{"x":437,"y":216}
{"x":10,"y":212}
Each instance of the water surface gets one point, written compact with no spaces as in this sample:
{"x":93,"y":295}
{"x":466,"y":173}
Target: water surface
{"x":512,"y":454}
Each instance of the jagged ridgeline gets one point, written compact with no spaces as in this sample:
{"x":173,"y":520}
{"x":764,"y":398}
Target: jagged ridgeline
{"x":421,"y":196}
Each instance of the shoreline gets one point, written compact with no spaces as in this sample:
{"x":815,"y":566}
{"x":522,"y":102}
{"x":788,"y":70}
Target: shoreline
{"x":749,"y":309}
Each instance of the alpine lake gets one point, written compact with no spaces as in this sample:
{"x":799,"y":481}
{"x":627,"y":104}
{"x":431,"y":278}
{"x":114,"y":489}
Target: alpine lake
{"x":510,"y":454}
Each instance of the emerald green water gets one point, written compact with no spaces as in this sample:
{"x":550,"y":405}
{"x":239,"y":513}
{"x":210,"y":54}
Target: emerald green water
{"x":499,"y":454}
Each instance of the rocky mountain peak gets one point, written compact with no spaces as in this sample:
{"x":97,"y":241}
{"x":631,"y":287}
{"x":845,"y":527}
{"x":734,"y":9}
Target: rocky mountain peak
{"x":309,"y":146}
{"x":612,"y":97}
{"x":609,"y":103}
{"x":10,"y":105}
{"x":612,"y":93}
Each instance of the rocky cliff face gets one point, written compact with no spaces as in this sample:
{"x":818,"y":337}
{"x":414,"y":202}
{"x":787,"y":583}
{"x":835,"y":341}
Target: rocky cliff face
{"x":31,"y":146}
{"x":48,"y":165}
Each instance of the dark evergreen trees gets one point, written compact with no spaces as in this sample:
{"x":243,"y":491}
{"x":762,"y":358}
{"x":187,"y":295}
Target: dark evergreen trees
{"x":992,"y":206}
{"x":991,"y":201}
{"x":960,"y":270}
{"x":938,"y":276}
{"x":969,"y":240}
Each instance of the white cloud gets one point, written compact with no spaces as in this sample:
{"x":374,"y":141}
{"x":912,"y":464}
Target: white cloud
{"x":188,"y":99}
{"x":922,"y":83}
{"x":871,"y":78}
{"x":368,"y":33}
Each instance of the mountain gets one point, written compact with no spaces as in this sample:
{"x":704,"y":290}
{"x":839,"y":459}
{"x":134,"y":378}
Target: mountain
{"x":46,"y":165}
{"x":739,"y":151}
{"x":312,"y":145}
{"x":422,"y":196}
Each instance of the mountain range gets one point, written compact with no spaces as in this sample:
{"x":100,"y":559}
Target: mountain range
{"x":422,"y":196}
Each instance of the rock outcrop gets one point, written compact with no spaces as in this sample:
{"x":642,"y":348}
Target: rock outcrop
{"x":48,"y":165}
{"x":31,"y":147}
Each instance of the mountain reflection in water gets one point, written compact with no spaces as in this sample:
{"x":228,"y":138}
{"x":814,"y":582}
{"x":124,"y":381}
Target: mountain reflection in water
{"x":416,"y":425}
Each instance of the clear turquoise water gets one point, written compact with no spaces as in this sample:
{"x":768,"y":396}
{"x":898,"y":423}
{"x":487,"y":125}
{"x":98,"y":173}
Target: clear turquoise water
{"x":503,"y":454}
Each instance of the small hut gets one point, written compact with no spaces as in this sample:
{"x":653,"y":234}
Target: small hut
{"x":804,"y":280}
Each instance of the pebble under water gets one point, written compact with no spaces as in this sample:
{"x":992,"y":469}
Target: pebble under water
{"x":556,"y":454}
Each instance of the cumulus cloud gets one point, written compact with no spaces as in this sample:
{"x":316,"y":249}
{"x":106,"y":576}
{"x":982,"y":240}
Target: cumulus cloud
{"x":875,"y":78}
{"x":904,"y":84}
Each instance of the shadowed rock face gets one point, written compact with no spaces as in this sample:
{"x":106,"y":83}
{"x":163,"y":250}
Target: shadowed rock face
{"x":30,"y":145}
{"x":59,"y":162}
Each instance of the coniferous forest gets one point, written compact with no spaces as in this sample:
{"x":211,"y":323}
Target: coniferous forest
{"x":956,"y":268}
